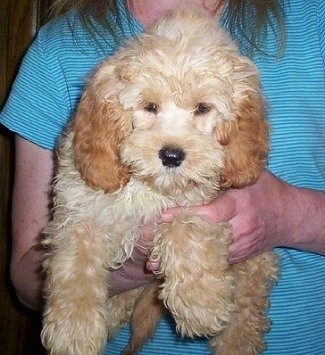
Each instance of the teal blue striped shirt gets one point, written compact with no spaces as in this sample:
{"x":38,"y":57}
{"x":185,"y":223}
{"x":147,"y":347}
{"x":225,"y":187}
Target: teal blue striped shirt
{"x":49,"y":85}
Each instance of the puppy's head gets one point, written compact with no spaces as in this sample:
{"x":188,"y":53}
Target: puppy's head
{"x":176,"y":109}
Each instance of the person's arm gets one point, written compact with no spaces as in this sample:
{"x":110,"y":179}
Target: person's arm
{"x":268,"y":214}
{"x":278,"y":214}
{"x":30,"y":213}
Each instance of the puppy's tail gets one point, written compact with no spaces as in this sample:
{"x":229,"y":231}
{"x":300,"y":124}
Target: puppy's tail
{"x":148,"y":310}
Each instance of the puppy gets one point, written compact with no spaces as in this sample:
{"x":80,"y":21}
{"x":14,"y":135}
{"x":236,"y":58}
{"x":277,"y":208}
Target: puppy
{"x":175,"y":118}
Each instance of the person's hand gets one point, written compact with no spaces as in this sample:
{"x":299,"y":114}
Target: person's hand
{"x":262,"y":216}
{"x":267,"y":214}
{"x":134,"y":272}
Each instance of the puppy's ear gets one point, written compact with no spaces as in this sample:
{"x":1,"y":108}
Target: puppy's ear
{"x":245,"y":141}
{"x":100,"y":125}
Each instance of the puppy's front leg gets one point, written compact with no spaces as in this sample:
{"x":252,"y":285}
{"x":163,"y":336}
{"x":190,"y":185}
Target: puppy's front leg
{"x":197,"y":286}
{"x":245,"y":334}
{"x":75,"y":315}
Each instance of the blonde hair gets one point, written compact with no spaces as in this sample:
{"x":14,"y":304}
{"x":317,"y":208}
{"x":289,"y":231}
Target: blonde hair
{"x":247,"y":20}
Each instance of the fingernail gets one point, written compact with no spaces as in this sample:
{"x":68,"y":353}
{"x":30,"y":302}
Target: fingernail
{"x":153,"y":265}
{"x":165,"y":217}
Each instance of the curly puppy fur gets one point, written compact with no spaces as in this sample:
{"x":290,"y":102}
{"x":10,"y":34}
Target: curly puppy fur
{"x":174,"y":118}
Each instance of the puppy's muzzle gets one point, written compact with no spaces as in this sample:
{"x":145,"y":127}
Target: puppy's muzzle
{"x":172,"y":157}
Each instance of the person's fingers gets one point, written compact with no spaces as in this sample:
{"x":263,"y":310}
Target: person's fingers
{"x":168,"y":215}
{"x":145,"y":241}
{"x":235,"y":254}
{"x":220,"y":210}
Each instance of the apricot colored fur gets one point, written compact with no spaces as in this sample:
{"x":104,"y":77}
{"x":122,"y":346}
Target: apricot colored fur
{"x":184,"y":87}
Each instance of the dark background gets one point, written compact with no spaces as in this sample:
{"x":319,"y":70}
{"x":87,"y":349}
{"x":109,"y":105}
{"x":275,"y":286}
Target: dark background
{"x":19,"y":22}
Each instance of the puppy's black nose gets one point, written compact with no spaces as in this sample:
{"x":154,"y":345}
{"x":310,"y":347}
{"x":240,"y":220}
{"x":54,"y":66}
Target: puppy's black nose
{"x":171,"y":157}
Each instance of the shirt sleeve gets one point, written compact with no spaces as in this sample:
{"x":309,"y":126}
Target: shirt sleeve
{"x":38,"y":106}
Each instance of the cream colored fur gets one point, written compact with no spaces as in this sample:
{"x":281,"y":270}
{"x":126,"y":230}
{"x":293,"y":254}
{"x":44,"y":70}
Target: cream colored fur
{"x":174,"y":118}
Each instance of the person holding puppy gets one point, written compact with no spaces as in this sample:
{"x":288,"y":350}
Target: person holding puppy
{"x":284,"y":209}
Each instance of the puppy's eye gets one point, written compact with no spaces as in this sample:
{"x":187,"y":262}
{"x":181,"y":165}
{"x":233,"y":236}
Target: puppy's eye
{"x":151,"y":107}
{"x":202,"y":108}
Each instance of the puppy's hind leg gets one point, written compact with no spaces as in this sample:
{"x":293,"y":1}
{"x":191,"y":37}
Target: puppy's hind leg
{"x":147,"y":312}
